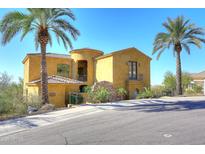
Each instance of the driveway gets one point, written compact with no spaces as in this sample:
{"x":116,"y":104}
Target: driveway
{"x":150,"y":121}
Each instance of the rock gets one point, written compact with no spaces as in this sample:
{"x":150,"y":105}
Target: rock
{"x":31,"y":109}
{"x":47,"y":107}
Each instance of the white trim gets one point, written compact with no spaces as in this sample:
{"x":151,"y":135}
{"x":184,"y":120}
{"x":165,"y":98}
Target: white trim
{"x":198,"y":80}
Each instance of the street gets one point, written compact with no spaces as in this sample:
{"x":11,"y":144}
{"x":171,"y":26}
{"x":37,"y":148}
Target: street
{"x":152,"y":121}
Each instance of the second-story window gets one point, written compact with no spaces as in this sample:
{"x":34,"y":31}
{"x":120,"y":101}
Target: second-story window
{"x":63,"y":70}
{"x":132,"y":70}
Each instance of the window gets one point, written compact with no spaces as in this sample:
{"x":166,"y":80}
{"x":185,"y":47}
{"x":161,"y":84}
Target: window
{"x":82,"y":70}
{"x":63,"y":70}
{"x":132,"y":70}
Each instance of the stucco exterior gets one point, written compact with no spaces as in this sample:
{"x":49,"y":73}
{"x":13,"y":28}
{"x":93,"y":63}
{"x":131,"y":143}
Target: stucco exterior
{"x":104,"y":69}
{"x":88,"y":66}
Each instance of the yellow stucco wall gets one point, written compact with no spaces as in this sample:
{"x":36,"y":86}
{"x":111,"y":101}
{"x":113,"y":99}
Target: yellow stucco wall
{"x":33,"y":71}
{"x":26,"y":76}
{"x":33,"y":90}
{"x":89,"y":56}
{"x":104,"y":69}
{"x":57,"y":94}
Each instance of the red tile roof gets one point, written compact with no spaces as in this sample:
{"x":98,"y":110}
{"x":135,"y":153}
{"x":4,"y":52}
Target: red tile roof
{"x":58,"y":80}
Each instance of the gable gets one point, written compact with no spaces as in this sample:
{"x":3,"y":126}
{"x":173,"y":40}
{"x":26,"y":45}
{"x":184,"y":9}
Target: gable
{"x":131,"y":52}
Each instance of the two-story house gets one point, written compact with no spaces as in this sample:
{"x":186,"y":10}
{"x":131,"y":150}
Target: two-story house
{"x":128,"y":68}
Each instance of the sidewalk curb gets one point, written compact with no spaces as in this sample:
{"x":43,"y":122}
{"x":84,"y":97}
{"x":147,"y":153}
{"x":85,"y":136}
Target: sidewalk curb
{"x":58,"y":116}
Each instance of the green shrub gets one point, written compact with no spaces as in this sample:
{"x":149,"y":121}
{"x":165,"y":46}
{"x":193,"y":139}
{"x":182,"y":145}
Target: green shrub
{"x":147,"y":93}
{"x":160,"y":91}
{"x":98,"y":96}
{"x":20,"y":108}
{"x":101,"y":95}
{"x":121,"y":92}
{"x":189,"y":91}
{"x":11,"y":96}
{"x":34,"y":101}
{"x":170,"y":82}
{"x":6,"y":104}
{"x":87,"y":89}
{"x":198,"y":89}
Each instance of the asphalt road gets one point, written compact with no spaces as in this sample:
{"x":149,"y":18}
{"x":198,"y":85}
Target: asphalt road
{"x":164,"y":121}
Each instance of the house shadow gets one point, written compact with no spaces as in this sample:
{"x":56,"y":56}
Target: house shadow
{"x":26,"y":122}
{"x":154,"y":105}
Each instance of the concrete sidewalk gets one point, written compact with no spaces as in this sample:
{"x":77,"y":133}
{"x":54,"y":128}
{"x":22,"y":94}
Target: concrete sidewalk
{"x":12,"y":126}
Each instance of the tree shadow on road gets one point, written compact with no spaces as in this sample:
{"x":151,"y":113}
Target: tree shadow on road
{"x":155,"y":106}
{"x":26,"y":122}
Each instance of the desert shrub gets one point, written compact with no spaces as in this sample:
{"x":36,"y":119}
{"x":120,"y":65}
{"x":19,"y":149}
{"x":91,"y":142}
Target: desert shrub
{"x":101,"y":92}
{"x":198,"y":89}
{"x":146,"y":93}
{"x":87,"y":89}
{"x":34,"y":101}
{"x":11,"y":96}
{"x":6,"y":94}
{"x":189,"y":91}
{"x":90,"y":94}
{"x":186,"y":79}
{"x":101,"y":95}
{"x":5,"y":81}
{"x":109,"y":87}
{"x":169,"y":82}
{"x":6,"y":104}
{"x":121,"y":93}
{"x":158,"y":91}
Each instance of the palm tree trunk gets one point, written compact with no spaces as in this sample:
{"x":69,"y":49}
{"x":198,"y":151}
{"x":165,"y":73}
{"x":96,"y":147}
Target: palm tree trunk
{"x":44,"y":76}
{"x":178,"y":74}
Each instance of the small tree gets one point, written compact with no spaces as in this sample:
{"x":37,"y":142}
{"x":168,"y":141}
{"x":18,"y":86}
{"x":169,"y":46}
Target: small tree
{"x":170,"y":82}
{"x":186,"y":79}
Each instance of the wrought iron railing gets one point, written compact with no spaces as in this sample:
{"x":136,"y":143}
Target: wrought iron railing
{"x":82,"y":77}
{"x":139,"y":77}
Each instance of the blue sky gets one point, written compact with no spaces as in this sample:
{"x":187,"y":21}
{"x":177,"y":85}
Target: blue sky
{"x":110,"y":30}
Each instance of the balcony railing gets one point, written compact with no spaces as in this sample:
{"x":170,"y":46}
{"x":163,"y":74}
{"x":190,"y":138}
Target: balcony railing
{"x":138,"y":78}
{"x":82,"y":77}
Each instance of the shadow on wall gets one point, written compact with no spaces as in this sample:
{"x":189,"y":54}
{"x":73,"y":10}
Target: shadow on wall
{"x":154,"y":106}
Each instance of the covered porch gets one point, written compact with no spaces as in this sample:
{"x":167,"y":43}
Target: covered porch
{"x":59,"y":89}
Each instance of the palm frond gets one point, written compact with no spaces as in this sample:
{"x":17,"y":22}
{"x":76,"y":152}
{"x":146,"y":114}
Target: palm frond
{"x":178,"y":31}
{"x":186,"y":47}
{"x":63,"y":36}
{"x":36,"y":40}
{"x":67,"y":27}
{"x":37,"y":18}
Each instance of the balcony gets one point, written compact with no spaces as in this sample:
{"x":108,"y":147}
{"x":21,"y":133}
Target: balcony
{"x":139,"y":77}
{"x":82,"y":78}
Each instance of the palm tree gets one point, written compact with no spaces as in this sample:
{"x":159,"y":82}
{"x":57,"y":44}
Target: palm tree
{"x":180,"y":35}
{"x":43,"y":22}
